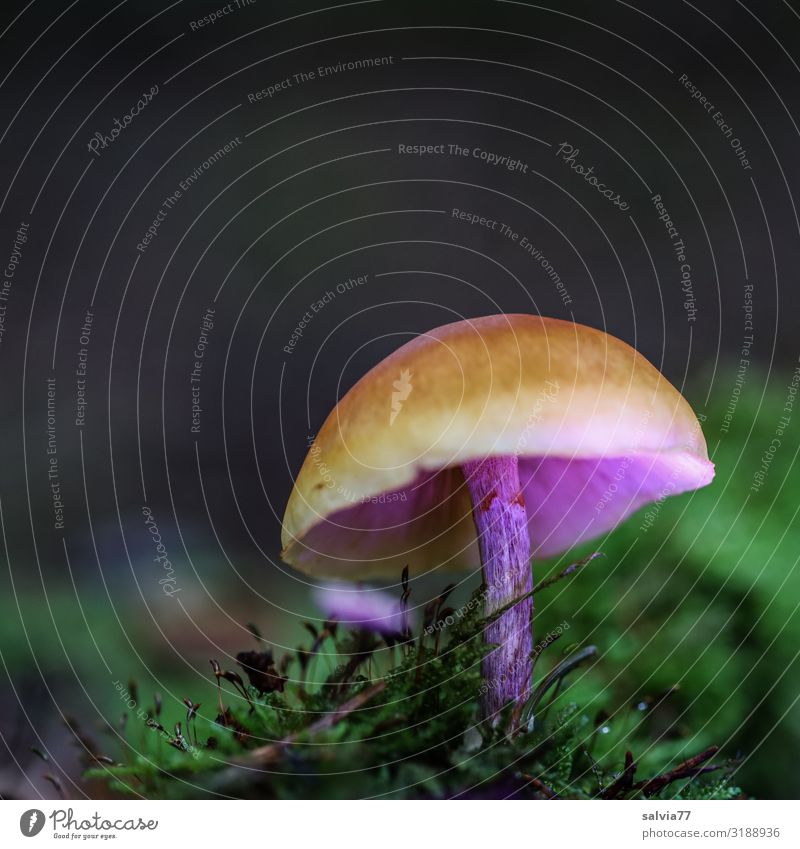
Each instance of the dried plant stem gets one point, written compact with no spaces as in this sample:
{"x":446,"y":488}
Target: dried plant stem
{"x":269,"y":754}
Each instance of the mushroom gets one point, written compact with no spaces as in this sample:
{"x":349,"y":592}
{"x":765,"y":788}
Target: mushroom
{"x":363,"y":607}
{"x":491,"y":440}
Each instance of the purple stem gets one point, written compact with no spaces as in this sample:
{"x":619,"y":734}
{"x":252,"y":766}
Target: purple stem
{"x":502,"y":526}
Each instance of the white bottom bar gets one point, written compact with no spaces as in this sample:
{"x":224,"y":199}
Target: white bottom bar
{"x":385,"y":825}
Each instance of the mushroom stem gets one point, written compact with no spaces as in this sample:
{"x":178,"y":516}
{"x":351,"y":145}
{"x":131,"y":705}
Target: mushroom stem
{"x":502,"y":525}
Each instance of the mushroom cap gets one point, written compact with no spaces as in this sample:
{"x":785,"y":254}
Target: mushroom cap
{"x":598,"y":431}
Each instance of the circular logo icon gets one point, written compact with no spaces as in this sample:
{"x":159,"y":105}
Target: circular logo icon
{"x":31,"y":822}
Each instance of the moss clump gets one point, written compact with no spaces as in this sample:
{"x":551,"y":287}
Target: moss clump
{"x":398,"y":718}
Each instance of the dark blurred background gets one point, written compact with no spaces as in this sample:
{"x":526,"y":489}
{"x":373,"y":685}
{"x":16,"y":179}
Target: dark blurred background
{"x":293,"y":184}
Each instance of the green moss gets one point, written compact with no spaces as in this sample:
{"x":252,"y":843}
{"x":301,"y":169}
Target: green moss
{"x":410,"y":729}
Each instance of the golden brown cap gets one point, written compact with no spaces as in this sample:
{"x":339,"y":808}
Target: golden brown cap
{"x":599,"y":432}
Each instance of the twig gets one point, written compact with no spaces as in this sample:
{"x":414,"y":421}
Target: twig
{"x":566,"y":666}
{"x":624,"y":783}
{"x":690,"y":768}
{"x":539,"y":785}
{"x":552,"y":699}
{"x":269,"y":754}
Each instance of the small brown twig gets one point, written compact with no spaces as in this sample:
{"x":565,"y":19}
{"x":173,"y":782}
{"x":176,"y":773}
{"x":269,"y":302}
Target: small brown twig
{"x":539,"y":785}
{"x":272,"y":752}
{"x":624,"y":783}
{"x":690,"y":768}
